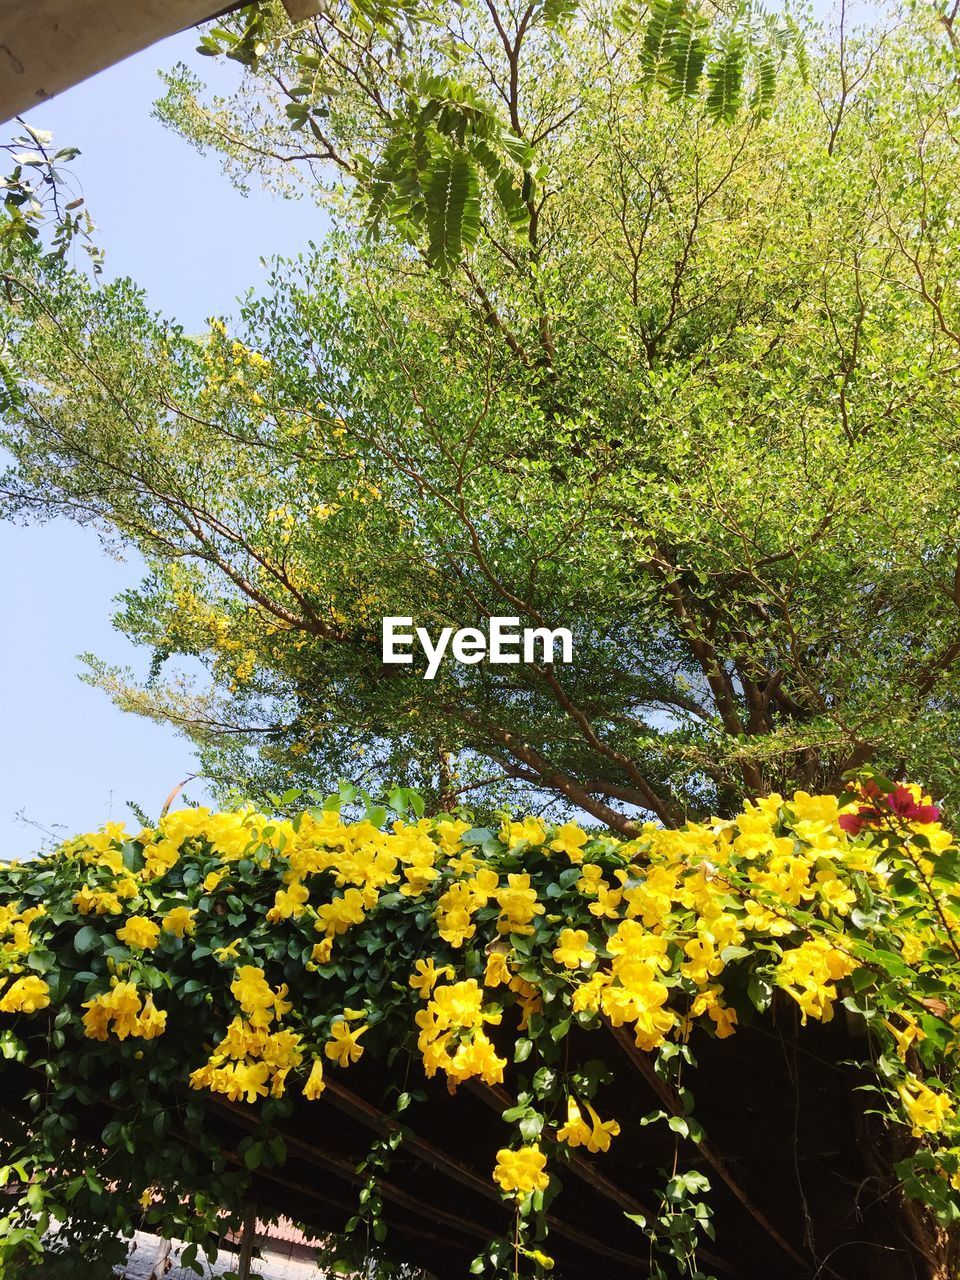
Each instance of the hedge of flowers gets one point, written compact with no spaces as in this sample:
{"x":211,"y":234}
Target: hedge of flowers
{"x":238,"y":955}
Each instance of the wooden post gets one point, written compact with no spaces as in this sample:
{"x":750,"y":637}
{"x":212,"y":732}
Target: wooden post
{"x":248,"y":1235}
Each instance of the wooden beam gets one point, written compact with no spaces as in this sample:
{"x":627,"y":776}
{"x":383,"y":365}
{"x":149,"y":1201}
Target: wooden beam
{"x":671,"y":1101}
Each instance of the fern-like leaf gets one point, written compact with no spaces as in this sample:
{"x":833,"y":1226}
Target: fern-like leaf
{"x":765,"y":86}
{"x":685,"y":61}
{"x":666,"y":17}
{"x":798,"y":47}
{"x":556,"y":12}
{"x":452,"y":200}
{"x":725,"y":77}
{"x":505,"y":188}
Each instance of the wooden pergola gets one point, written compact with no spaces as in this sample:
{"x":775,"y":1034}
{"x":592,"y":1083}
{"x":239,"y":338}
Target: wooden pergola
{"x":793,"y":1201}
{"x":48,"y":45}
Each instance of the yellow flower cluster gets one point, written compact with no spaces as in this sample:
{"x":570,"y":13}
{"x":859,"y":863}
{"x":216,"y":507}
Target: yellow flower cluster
{"x":456,"y":907}
{"x":595,"y":1136}
{"x":810,"y":973}
{"x":928,"y":1110}
{"x":140,"y":933}
{"x":15,"y":931}
{"x":251,"y":1060}
{"x":26,"y":995}
{"x":122,"y":1012}
{"x":452,"y":1038}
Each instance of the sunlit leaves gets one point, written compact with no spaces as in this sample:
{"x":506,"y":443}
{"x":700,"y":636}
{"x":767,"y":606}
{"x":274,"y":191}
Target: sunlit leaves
{"x":452,"y":200}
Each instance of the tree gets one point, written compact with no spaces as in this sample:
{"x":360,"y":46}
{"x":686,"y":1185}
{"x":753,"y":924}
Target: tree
{"x":691,"y":394}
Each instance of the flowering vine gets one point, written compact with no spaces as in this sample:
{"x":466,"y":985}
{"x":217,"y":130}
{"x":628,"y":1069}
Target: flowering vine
{"x":258,"y":961}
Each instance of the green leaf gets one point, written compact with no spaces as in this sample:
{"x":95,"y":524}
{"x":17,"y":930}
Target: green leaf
{"x":725,"y":77}
{"x":662,"y":27}
{"x":452,"y":199}
{"x":685,"y":60}
{"x":86,"y":940}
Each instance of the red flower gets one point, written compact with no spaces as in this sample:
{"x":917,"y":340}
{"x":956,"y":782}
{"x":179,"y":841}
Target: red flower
{"x":899,"y":802}
{"x":902,"y":803}
{"x":853,"y":823}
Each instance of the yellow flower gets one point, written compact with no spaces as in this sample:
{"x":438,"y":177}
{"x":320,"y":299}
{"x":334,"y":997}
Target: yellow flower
{"x":483,"y":885}
{"x":281,"y":1005}
{"x":179,"y":921}
{"x":497,"y":971}
{"x":96,"y":1021}
{"x":152,"y":1021}
{"x":814,"y":808}
{"x":229,"y":952}
{"x":126,"y":888}
{"x":835,"y":894}
{"x":574,"y":950}
{"x":120,"y":1006}
{"x":474,"y":1057}
{"x":521,"y":1172}
{"x":426,"y":975}
{"x":724,"y":1020}
{"x":809,"y":973}
{"x":343,"y":1047}
{"x":634,"y":942}
{"x":703,"y":963}
{"x":27,"y":995}
{"x":576,"y":1132}
{"x":601,"y":1131}
{"x":249,"y":1081}
{"x":339,"y":915}
{"x":607,"y":904}
{"x":591,"y":878}
{"x":518,"y":905}
{"x":928,"y":1111}
{"x":100,"y":901}
{"x":455,"y":926}
{"x":586,"y":998}
{"x":448,"y":832}
{"x":460,"y":1004}
{"x":140,"y":933}
{"x":289,"y":902}
{"x":569,"y":839}
{"x":159,"y":858}
{"x":212,"y":880}
{"x":529,"y":831}
{"x":315,"y":1083}
{"x":252,"y":992}
{"x":910,"y":1034}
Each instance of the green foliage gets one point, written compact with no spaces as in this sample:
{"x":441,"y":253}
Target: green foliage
{"x":452,"y":200}
{"x":35,"y":203}
{"x":581,"y":350}
{"x":445,"y":140}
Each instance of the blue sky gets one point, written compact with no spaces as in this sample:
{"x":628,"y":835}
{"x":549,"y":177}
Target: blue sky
{"x":168,"y":218}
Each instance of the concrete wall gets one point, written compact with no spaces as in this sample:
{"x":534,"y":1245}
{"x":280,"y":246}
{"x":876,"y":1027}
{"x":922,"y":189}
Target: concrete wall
{"x":48,"y":45}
